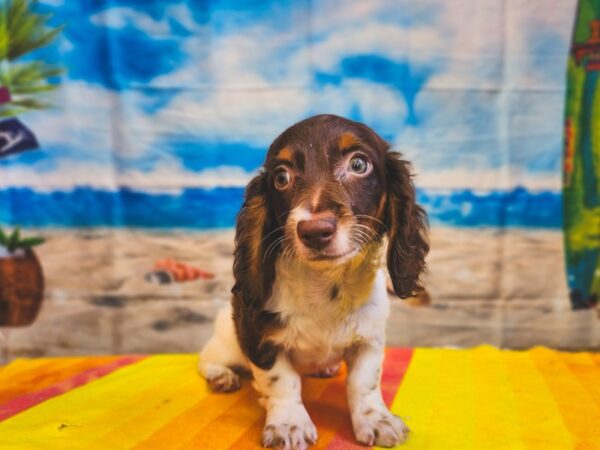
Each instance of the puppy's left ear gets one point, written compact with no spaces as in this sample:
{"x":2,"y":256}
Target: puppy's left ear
{"x":407,"y":228}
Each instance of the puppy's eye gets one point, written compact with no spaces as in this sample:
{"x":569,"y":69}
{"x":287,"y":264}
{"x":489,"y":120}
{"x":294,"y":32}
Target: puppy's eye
{"x":282,"y":179}
{"x":358,"y":165}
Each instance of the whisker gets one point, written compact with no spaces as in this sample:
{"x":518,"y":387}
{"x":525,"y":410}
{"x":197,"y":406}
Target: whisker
{"x":360,"y":237}
{"x":366,"y":216}
{"x":283,"y":213}
{"x":272,"y":247}
{"x":270,"y":233}
{"x":367,"y":230}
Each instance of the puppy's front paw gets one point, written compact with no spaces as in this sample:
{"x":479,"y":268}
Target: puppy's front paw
{"x":380,"y":428}
{"x":296,"y":435}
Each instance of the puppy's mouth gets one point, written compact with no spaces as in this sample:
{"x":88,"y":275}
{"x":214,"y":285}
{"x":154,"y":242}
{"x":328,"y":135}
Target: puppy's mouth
{"x":328,"y":257}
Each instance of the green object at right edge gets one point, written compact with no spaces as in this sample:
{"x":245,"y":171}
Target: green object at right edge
{"x":581,"y":162}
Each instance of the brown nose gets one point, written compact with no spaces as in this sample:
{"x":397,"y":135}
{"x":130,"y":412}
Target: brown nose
{"x":317,"y":234}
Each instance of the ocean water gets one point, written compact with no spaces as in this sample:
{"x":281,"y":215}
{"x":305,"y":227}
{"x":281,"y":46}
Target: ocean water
{"x":217,"y":208}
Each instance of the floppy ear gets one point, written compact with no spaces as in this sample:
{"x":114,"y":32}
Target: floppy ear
{"x":407,"y":229}
{"x":254,"y":272}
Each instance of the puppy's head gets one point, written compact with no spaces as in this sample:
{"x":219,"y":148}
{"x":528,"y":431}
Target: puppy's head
{"x":329,"y":189}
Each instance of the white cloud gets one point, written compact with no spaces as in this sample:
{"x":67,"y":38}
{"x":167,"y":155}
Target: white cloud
{"x":168,"y":177}
{"x":82,"y":119}
{"x":486,"y":180}
{"x":95,"y":123}
{"x":120,"y":17}
{"x":182,"y":14}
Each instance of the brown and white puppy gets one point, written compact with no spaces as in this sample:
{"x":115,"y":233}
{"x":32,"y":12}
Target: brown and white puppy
{"x":309,"y":288}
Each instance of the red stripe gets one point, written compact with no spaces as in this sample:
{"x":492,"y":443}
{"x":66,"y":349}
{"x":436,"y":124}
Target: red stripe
{"x":395,"y":365}
{"x":26,"y":401}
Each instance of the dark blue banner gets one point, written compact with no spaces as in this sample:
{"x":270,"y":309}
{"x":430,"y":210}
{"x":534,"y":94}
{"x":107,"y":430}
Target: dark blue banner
{"x":15,"y":137}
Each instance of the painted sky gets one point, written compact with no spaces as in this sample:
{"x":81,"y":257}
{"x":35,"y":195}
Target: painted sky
{"x":168,"y":94}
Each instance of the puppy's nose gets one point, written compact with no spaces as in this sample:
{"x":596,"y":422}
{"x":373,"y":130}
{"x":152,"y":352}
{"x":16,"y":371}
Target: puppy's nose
{"x":318,"y":233}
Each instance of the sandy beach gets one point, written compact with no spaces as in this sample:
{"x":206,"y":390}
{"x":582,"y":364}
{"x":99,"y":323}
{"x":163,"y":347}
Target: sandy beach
{"x":505,"y":288}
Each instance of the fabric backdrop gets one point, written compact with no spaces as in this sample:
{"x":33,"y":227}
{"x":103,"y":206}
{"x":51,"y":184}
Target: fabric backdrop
{"x":163,"y":110}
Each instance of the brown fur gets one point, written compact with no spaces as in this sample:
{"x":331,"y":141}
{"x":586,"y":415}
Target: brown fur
{"x":407,"y":241}
{"x":254,"y":275}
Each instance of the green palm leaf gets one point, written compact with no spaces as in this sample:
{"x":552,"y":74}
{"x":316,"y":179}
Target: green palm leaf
{"x":29,"y":78}
{"x":23,"y":31}
{"x":31,"y":242}
{"x":11,"y":111}
{"x":13,"y":240}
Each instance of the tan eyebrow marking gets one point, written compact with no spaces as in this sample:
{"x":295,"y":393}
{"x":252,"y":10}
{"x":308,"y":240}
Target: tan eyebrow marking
{"x":315,"y":199}
{"x":347,"y":140}
{"x":286,"y":154}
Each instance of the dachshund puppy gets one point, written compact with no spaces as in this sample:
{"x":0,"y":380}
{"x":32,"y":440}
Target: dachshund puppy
{"x":309,"y":289}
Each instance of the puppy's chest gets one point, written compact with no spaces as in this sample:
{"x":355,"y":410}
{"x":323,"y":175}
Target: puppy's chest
{"x":323,"y":318}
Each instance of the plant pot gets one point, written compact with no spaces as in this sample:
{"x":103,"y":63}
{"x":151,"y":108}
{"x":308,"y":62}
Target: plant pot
{"x":21,"y":288}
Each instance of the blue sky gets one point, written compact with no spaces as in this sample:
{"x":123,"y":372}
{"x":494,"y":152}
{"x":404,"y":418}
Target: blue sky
{"x":162,"y":95}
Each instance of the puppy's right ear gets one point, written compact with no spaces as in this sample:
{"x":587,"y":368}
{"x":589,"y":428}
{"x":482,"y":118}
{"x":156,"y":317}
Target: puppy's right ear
{"x":253,"y":272}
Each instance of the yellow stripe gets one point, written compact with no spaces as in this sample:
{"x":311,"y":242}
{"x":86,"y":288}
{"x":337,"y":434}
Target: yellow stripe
{"x":454,"y":404}
{"x":497,"y":426}
{"x":542,"y":426}
{"x":151,"y":409}
{"x":78,"y":418}
{"x":579,"y":410}
{"x":417,"y":395}
{"x":57,"y":371}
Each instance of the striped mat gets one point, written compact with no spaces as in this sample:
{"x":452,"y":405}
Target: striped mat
{"x":452,"y":399}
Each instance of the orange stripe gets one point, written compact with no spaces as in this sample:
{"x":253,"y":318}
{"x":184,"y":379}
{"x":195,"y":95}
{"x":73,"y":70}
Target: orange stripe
{"x":186,"y":425}
{"x":228,"y":427}
{"x":318,"y":396}
{"x":54,"y":372}
{"x":395,"y":365}
{"x":579,"y":411}
{"x":23,"y":369}
{"x":330,"y":413}
{"x":584,"y":368}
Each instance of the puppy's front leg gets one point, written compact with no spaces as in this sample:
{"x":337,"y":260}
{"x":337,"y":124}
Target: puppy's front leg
{"x":288,"y":425}
{"x":373,"y":423}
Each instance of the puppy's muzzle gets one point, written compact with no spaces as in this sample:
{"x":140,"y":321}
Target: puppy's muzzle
{"x":317,"y":233}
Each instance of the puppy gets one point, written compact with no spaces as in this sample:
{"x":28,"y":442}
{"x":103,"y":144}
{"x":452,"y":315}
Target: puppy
{"x":309,"y":290}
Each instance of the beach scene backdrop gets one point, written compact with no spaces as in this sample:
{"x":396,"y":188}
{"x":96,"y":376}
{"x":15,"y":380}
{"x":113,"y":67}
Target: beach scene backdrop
{"x":146,"y":119}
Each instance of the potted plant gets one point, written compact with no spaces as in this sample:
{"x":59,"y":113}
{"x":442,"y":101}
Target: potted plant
{"x":21,"y":279}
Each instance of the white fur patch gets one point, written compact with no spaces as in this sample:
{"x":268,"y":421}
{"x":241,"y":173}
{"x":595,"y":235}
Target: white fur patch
{"x":319,"y":328}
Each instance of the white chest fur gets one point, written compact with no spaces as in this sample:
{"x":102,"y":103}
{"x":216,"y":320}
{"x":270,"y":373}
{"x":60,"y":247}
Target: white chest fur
{"x":326,"y":310}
